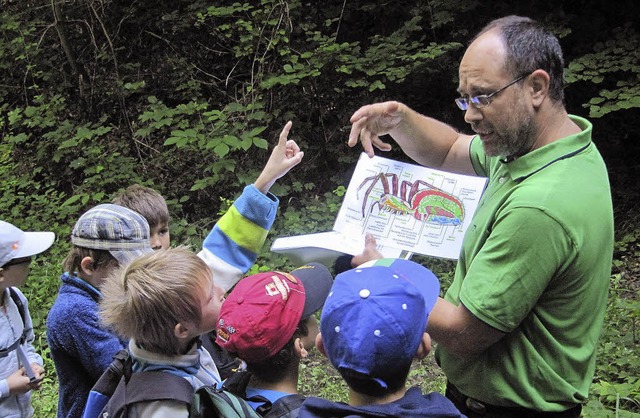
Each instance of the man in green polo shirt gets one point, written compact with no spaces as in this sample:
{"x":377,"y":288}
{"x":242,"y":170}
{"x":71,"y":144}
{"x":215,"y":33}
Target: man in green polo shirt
{"x":518,"y":328}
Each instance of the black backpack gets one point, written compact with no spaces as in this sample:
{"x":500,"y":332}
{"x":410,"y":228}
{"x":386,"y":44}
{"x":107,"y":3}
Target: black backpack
{"x":118,"y":389}
{"x":226,"y":364}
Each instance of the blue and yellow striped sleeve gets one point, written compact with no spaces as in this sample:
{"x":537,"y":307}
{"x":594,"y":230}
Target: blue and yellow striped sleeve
{"x":232,"y":246}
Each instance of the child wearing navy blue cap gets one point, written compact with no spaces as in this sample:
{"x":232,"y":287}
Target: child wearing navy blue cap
{"x":372,"y":327}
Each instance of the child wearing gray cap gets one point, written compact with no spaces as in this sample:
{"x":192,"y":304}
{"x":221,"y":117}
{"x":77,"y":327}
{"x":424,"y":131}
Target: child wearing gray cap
{"x":21,"y":369}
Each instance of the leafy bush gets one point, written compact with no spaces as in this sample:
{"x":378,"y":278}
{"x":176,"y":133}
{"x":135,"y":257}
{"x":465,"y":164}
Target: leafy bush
{"x":617,"y":380}
{"x":188,"y":98}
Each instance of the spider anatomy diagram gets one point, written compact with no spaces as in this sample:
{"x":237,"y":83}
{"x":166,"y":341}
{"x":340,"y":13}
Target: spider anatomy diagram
{"x":425,"y":202}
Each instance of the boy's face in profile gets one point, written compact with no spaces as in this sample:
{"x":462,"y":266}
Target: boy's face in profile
{"x":159,"y":236}
{"x":211,"y":298}
{"x":15,"y":272}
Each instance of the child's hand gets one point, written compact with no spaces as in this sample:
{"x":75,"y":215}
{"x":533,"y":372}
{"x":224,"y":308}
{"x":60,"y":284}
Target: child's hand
{"x":18,"y":382}
{"x":369,"y":253}
{"x":39,"y":372}
{"x":284,"y":157}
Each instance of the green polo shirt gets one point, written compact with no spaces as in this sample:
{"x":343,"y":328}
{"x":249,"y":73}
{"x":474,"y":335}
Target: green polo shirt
{"x":535,"y":264}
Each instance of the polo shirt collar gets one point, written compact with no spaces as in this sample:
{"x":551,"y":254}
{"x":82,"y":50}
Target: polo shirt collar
{"x":541,"y":158}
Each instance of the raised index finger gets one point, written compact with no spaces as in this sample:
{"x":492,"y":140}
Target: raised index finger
{"x":282,"y":141}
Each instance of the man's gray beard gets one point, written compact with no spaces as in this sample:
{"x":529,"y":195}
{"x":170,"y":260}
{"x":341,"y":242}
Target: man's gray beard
{"x":518,"y":142}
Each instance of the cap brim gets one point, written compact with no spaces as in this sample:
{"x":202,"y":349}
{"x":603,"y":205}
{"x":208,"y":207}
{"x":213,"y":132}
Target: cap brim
{"x":420,"y":276}
{"x":35,"y":243}
{"x":317,"y":281}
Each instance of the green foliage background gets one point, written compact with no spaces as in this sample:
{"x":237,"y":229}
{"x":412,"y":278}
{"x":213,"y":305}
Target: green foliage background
{"x":189,"y":96}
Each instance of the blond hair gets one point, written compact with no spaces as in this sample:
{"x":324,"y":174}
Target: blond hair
{"x":148,"y":297}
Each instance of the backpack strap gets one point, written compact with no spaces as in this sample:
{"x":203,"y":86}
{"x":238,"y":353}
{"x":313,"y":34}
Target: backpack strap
{"x":17,"y":343}
{"x":22,"y":357}
{"x":23,"y":315}
{"x":237,"y":383}
{"x":148,"y":387}
{"x":109,"y":379}
{"x":6,"y":351}
{"x":16,"y":299}
{"x":211,"y":402}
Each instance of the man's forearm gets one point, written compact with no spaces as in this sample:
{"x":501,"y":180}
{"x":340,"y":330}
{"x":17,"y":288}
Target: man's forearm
{"x":426,"y":140}
{"x":459,"y":331}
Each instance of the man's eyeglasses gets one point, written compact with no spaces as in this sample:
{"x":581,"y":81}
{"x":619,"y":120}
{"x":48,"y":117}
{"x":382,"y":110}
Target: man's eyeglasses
{"x":483,"y":100}
{"x":18,"y":261}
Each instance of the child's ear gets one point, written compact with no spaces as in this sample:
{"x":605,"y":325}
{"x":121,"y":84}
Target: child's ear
{"x":320,"y":345}
{"x":86,"y":264}
{"x":181,"y":331}
{"x":298,"y":346}
{"x":425,"y":347}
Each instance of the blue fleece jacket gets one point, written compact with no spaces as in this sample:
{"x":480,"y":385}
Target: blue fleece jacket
{"x":81,"y":348}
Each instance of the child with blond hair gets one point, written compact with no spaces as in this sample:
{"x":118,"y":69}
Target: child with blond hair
{"x":162,"y":303}
{"x":81,"y":348}
{"x":232,"y":246}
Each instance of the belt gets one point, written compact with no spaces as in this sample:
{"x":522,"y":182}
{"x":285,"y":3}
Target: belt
{"x":473,"y":408}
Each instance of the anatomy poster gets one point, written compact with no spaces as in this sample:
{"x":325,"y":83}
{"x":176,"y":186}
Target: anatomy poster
{"x":410,"y":207}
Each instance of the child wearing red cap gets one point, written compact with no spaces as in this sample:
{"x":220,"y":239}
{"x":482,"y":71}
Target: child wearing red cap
{"x":267,"y":321}
{"x":20,"y":365}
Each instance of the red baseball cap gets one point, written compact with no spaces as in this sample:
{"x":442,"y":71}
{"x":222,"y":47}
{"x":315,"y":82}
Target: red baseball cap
{"x":262,"y":312}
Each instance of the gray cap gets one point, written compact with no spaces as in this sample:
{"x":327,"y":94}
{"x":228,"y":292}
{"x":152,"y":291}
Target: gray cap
{"x":15,"y":243}
{"x":119,"y":230}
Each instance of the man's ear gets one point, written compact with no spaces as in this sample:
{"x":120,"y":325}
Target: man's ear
{"x":539,"y":81}
{"x":181,"y":332}
{"x":425,"y":347}
{"x":86,"y":264}
{"x":298,"y":346}
{"x":1,"y":274}
{"x":320,"y":345}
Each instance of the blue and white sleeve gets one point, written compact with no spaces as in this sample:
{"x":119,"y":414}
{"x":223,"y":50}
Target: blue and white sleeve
{"x":232,"y":246}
